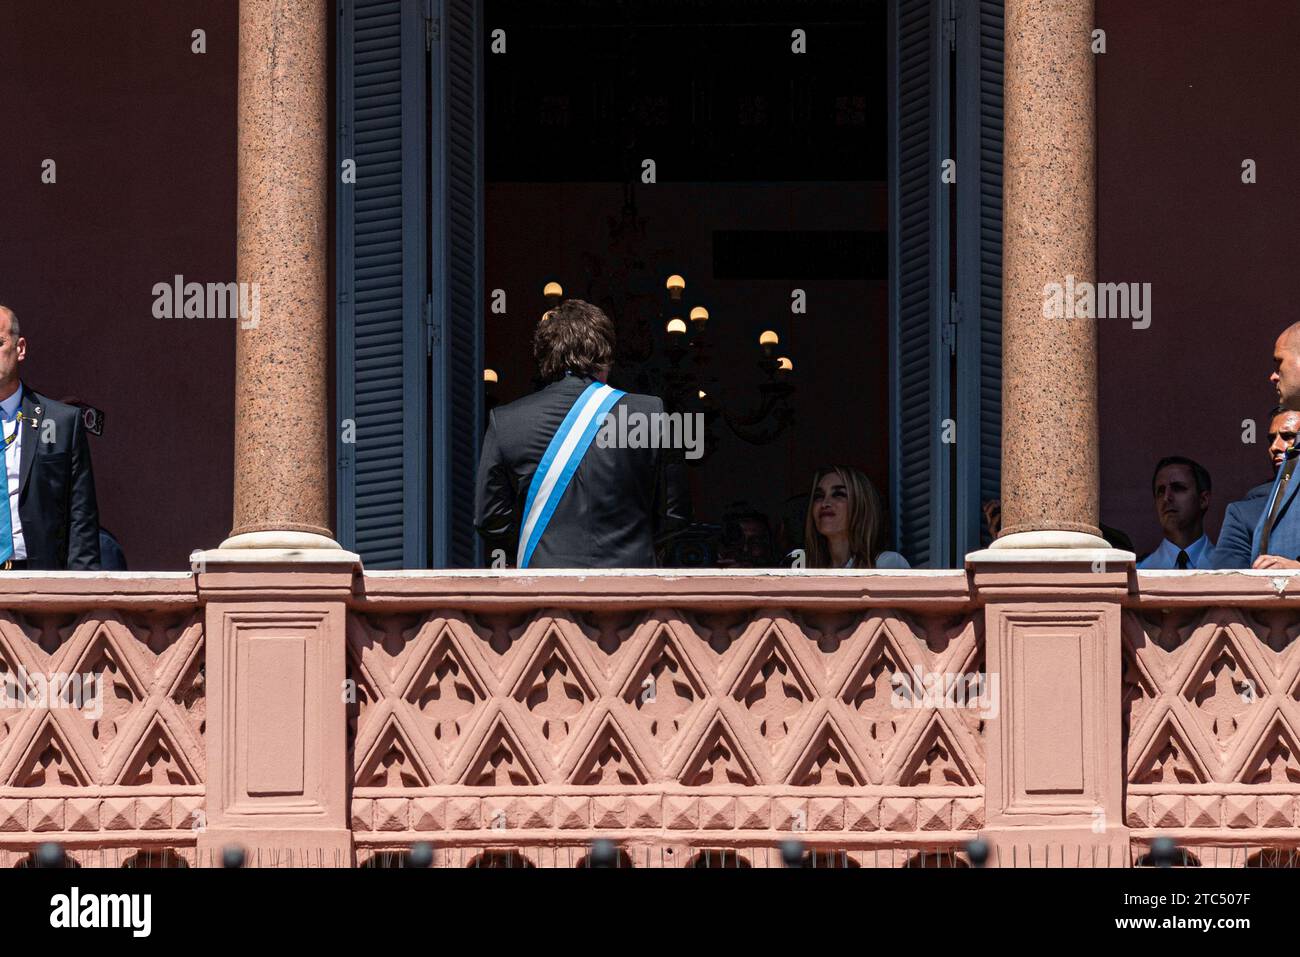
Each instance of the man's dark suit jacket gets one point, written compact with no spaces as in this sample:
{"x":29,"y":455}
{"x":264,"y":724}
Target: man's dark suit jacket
{"x":1239,"y":520}
{"x":619,"y":502}
{"x":56,"y":497}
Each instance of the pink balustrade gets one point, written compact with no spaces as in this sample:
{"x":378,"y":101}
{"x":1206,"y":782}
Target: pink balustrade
{"x":694,"y":720}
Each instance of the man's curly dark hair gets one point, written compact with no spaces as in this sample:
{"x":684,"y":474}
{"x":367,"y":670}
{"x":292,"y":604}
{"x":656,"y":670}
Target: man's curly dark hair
{"x":574,"y":337}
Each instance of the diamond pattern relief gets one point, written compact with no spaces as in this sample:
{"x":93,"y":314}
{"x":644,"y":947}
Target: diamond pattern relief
{"x":625,"y":700}
{"x":774,"y":691}
{"x":609,"y":759}
{"x":664,"y":690}
{"x":612,"y":701}
{"x":121,"y":690}
{"x":101,"y":692}
{"x":158,"y":760}
{"x":870,"y":692}
{"x":554,"y":689}
{"x":1212,"y":696}
{"x":418,"y":686}
{"x":446,"y":694}
{"x":1223,"y":691}
{"x":718,"y":759}
{"x":501,"y":761}
{"x":1276,"y":759}
{"x":1168,"y":759}
{"x":392,"y":761}
{"x":50,"y":761}
{"x":939,"y":758}
{"x":608,"y":705}
{"x":828,"y":761}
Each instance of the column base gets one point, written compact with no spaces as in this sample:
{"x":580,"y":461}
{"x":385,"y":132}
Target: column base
{"x":260,"y":548}
{"x":278,"y":848}
{"x":1051,"y":547}
{"x":279,"y":539}
{"x":1049,"y":538}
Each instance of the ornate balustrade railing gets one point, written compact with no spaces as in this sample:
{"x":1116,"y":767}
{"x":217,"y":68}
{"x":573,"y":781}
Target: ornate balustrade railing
{"x":102,"y":714}
{"x":1211,"y":710}
{"x":693,"y":719}
{"x":670,"y":714}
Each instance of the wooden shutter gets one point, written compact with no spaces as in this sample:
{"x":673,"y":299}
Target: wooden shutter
{"x":919,"y":287}
{"x":381,"y":364}
{"x":979,"y":266}
{"x":456,"y":267}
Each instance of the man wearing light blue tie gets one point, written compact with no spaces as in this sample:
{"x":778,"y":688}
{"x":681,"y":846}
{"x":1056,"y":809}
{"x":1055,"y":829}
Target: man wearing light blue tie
{"x":52,"y":520}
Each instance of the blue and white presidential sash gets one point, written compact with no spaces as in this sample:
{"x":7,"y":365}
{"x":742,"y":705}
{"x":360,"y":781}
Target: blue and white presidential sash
{"x":561,"y":461}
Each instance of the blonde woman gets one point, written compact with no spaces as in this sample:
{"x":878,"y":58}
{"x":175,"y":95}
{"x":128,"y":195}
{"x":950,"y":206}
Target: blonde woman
{"x":845,"y":522}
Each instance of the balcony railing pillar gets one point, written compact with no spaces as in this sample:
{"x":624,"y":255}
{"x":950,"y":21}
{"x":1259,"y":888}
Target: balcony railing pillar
{"x":277,"y":768}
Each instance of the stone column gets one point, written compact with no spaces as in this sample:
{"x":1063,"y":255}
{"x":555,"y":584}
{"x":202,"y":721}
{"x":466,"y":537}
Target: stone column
{"x":1049,"y":365}
{"x":276,"y":592}
{"x":281,"y":457}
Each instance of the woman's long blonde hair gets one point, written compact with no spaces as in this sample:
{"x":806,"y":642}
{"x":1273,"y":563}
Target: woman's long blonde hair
{"x":865,"y":519}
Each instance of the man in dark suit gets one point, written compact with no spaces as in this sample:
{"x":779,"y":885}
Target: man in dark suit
{"x":1241,"y":517}
{"x":596,"y":504}
{"x":52,"y":521}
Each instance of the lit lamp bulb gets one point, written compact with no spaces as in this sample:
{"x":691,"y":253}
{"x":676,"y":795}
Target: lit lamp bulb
{"x":490,"y":376}
{"x":699,"y":315}
{"x":676,"y":285}
{"x":768,"y":340}
{"x":703,"y":394}
{"x":784,"y":365}
{"x":676,"y":328}
{"x":553,"y":293}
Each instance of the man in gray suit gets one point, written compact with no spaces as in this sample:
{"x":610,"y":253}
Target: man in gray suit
{"x":1239,"y":520}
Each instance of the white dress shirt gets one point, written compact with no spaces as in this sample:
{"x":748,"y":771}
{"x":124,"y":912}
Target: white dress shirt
{"x":1200,"y":554}
{"x":13,"y":462}
{"x":884,"y":560}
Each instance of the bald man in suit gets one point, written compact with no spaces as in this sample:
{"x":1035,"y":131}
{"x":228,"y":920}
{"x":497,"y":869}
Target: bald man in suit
{"x":52,"y":522}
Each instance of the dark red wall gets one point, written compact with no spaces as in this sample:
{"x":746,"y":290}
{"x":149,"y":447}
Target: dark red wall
{"x":1185,"y":92}
{"x":143,"y":132}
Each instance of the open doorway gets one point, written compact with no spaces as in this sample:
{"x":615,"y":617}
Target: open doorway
{"x":743,"y":149}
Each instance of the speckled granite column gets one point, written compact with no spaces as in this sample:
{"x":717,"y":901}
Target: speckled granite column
{"x":1049,"y":366}
{"x":281,"y":460}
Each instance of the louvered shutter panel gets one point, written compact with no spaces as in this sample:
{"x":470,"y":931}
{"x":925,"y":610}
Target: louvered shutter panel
{"x":919,"y":288}
{"x":457,"y":402}
{"x":979,"y":271}
{"x":381,"y":247}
